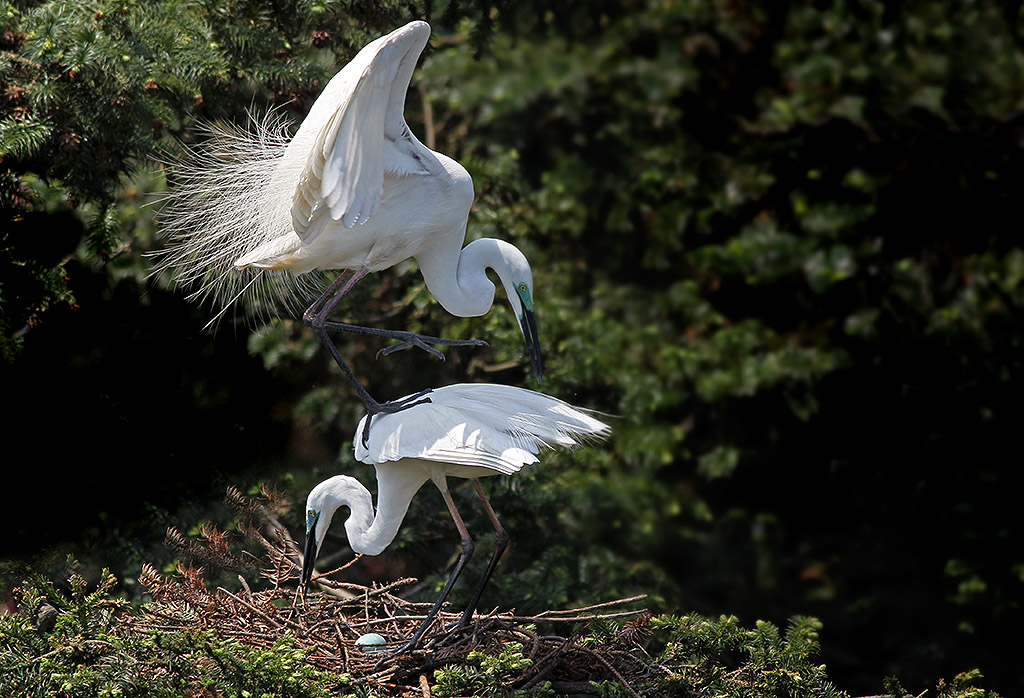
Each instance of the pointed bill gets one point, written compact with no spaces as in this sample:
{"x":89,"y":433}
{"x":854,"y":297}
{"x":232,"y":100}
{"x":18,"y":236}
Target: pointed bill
{"x":309,"y":551}
{"x":528,"y":324}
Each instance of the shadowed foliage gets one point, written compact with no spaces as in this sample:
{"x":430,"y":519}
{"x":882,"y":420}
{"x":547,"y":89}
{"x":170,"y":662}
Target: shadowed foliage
{"x":779,"y":244}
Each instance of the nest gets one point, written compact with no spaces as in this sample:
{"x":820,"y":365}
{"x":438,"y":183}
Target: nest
{"x":327,"y":623}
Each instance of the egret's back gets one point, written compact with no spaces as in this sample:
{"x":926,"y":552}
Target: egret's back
{"x":254,"y":194}
{"x":498,"y":427}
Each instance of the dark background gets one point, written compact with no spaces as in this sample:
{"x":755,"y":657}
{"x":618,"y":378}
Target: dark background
{"x":780,"y":246}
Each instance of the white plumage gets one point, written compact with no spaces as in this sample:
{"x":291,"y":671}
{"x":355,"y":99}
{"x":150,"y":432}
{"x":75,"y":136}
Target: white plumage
{"x":469,"y":430}
{"x":499,"y":427}
{"x":353,"y":189}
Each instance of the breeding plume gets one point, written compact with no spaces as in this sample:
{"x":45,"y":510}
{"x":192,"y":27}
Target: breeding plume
{"x":471,"y":430}
{"x":353,"y":190}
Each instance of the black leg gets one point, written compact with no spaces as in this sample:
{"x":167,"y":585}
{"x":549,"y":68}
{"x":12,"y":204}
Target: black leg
{"x":407,"y":339}
{"x":316,"y":317}
{"x":500,"y":544}
{"x":391,"y":407}
{"x":467,"y":552}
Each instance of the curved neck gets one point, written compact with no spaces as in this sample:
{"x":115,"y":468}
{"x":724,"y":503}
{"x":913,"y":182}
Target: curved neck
{"x":460,"y":283}
{"x":369,"y":533}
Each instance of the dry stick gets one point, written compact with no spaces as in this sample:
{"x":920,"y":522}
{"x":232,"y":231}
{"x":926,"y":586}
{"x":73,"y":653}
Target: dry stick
{"x":261,"y":613}
{"x":329,"y":620}
{"x":338,"y":569}
{"x":487,"y":621}
{"x":366,"y":607}
{"x":533,"y":638}
{"x":329,"y":589}
{"x":572,"y":619}
{"x":245,"y":585}
{"x":613,"y":670}
{"x":255,"y":560}
{"x":424,"y":686}
{"x":391,"y":619}
{"x":366,"y":593}
{"x":542,"y":672}
{"x":341,"y":644}
{"x":394,"y":623}
{"x":605,"y":604}
{"x":375,"y":675}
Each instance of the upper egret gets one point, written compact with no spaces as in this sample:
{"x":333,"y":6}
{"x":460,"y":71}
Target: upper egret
{"x":353,"y":189}
{"x":470,"y":430}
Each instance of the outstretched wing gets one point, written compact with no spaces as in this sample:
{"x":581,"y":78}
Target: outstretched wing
{"x":479,"y":424}
{"x":356,"y":133}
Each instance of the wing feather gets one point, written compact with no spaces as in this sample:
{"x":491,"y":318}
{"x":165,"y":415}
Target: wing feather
{"x":502,"y":428}
{"x":356,"y":120}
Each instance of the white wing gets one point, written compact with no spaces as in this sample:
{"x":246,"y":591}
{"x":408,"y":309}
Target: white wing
{"x":356,"y":133}
{"x":493,"y":426}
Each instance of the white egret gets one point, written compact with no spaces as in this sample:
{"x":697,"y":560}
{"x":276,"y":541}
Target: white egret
{"x":470,"y":430}
{"x":354,"y":190}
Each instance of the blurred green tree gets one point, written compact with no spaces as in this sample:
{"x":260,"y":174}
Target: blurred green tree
{"x":778,"y":242}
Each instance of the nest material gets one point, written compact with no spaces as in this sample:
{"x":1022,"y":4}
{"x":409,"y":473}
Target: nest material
{"x":327,"y":623}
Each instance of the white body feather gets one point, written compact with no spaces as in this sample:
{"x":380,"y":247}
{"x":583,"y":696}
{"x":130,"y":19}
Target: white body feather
{"x":353,"y":188}
{"x":467,"y":430}
{"x":496,"y":429}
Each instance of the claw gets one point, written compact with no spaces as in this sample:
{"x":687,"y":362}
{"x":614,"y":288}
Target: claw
{"x":424,"y":342}
{"x":411,"y":342}
{"x":391,"y":408}
{"x":366,"y":429}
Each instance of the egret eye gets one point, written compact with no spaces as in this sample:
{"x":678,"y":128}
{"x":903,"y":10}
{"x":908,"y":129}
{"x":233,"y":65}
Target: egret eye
{"x":310,"y":519}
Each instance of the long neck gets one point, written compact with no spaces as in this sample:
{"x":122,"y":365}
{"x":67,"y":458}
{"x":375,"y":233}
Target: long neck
{"x":370,"y":534}
{"x":459,"y":282}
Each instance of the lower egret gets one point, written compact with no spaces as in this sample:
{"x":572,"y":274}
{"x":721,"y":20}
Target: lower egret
{"x":354,"y":190}
{"x":470,"y":430}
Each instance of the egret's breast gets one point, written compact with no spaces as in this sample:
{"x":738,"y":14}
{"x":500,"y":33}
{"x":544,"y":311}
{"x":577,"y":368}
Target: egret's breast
{"x":467,"y":471}
{"x":438,"y":469}
{"x":414,"y":211}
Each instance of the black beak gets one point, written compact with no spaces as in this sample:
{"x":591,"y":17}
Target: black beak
{"x":529,"y":325}
{"x":308,"y":559}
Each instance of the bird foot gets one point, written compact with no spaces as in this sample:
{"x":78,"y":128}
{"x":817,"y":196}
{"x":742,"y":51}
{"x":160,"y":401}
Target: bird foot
{"x":441,"y":639}
{"x":407,"y":647}
{"x":450,"y":634}
{"x":411,"y":339}
{"x":391,"y":407}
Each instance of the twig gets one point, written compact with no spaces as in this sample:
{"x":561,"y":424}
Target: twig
{"x":337,"y":569}
{"x":541,"y":673}
{"x":261,"y":613}
{"x":606,"y":604}
{"x":572,"y":619}
{"x":328,"y":621}
{"x":615,"y":671}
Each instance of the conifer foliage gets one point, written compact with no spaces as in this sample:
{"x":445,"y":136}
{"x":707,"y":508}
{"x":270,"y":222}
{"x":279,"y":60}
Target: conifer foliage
{"x":265,"y":640}
{"x":780,"y":242}
{"x":90,"y":92}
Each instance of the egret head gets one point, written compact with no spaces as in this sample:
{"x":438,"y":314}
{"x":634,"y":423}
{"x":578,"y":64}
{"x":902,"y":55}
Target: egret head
{"x":517,"y":277}
{"x":462,"y":286}
{"x":522,"y":303}
{"x":322,"y":502}
{"x":312,"y":547}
